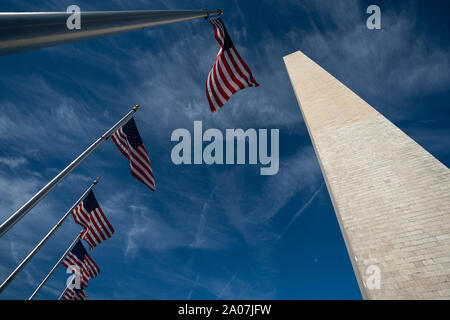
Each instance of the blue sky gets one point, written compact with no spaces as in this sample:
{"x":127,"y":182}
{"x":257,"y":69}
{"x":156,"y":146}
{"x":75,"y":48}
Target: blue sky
{"x":208,"y":232}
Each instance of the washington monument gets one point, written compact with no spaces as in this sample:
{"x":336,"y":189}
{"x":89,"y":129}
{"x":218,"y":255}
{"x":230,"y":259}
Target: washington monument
{"x":391,"y":197}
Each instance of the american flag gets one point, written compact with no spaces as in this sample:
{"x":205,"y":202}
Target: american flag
{"x":229,"y":73}
{"x":80,"y":260}
{"x":74,"y":294}
{"x":89,"y":215}
{"x":130,"y":144}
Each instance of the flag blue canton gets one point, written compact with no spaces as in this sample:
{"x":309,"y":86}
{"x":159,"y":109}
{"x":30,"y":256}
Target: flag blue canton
{"x":133,"y":137}
{"x":227,"y":44}
{"x":79,"y":251}
{"x":78,"y":291}
{"x":90,"y":202}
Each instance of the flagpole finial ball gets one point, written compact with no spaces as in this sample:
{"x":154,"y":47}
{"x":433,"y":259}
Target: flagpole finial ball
{"x":137,"y":107}
{"x":220,"y":12}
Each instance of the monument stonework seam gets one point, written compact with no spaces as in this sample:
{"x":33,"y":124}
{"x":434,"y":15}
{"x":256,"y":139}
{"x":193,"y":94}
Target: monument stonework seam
{"x":391,"y":197}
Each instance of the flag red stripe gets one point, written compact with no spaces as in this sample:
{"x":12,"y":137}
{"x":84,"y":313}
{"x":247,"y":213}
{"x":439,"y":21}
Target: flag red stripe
{"x":97,"y":227}
{"x":216,"y":98}
{"x":143,"y":153}
{"x":143,"y":181}
{"x":231,"y":72}
{"x":144,"y":162}
{"x":226,"y":80}
{"x":219,"y":84}
{"x":137,"y":170}
{"x":110,"y":228}
{"x":135,"y":163}
{"x":243,"y":67}
{"x":236,"y":67}
{"x":212,"y":101}
{"x":218,"y":33}
{"x":211,"y":105}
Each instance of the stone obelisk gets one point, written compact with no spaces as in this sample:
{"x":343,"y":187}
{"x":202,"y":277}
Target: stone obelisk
{"x":391,"y":197}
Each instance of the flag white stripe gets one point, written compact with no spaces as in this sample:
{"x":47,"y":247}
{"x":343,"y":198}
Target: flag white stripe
{"x":216,"y":90}
{"x":143,"y":156}
{"x":218,"y":32}
{"x":92,"y":266}
{"x":132,"y":154}
{"x":146,"y":181}
{"x":100,"y":230}
{"x":77,"y":218}
{"x":221,"y":82}
{"x":77,"y":215}
{"x":235,"y":77}
{"x":107,"y":227}
{"x":143,"y":179}
{"x":120,"y":145}
{"x":121,"y":140}
{"x":227,"y":75}
{"x":229,"y":58}
{"x":91,"y":263}
{"x":146,"y":161}
{"x":97,"y":229}
{"x":97,"y":216}
{"x":138,"y":165}
{"x":219,"y":26}
{"x":83,"y":216}
{"x":241,"y":67}
{"x":139,"y":160}
{"x":91,"y":238}
{"x":211,"y":95}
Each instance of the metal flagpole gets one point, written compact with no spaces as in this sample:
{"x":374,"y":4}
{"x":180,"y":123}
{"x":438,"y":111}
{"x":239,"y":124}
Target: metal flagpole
{"x":64,"y":291}
{"x":42,"y":242}
{"x":24,"y":31}
{"x":54,"y":267}
{"x":20,"y":213}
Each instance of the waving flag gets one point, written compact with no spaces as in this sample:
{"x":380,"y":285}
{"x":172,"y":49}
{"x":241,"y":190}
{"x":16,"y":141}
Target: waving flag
{"x":130,"y":144}
{"x":91,"y":217}
{"x":229,"y":73}
{"x":80,"y":259}
{"x":74,"y":294}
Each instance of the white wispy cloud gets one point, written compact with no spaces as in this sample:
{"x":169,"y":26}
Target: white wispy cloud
{"x":151,"y":232}
{"x":225,"y":288}
{"x":13,"y":162}
{"x":191,"y":291}
{"x":301,"y":210}
{"x":397,"y":62}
